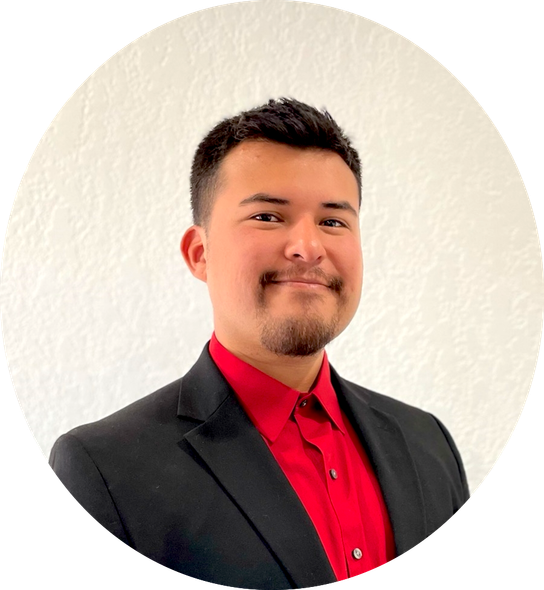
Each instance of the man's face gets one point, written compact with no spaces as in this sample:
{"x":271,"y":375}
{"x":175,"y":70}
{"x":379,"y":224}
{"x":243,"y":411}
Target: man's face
{"x":283,"y":258}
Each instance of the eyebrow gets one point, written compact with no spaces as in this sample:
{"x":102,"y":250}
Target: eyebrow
{"x":270,"y":199}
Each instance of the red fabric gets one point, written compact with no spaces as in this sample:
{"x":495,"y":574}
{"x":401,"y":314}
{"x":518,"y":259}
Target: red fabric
{"x":307,"y":442}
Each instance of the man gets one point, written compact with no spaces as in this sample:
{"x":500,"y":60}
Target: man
{"x":262,"y":468}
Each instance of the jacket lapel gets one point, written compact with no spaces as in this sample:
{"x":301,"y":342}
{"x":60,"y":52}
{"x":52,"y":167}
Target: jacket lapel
{"x":234,"y":451}
{"x":393,"y":465}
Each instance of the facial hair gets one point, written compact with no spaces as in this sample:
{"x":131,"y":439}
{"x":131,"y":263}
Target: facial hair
{"x":305,"y":334}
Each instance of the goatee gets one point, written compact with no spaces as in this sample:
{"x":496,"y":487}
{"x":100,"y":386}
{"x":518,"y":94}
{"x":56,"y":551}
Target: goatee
{"x":307,"y":333}
{"x":297,"y":336}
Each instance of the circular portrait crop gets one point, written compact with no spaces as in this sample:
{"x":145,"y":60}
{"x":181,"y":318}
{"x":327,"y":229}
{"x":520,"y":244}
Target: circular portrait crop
{"x":272,"y":295}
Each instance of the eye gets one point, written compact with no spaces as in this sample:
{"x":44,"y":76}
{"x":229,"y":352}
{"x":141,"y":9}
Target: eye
{"x":267,"y":217}
{"x":333,"y":223}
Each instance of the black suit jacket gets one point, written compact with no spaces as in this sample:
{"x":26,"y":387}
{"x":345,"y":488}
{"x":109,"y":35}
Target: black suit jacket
{"x":184,"y":477}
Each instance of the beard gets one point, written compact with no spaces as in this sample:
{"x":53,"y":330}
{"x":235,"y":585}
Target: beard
{"x":297,"y":336}
{"x":302,"y":335}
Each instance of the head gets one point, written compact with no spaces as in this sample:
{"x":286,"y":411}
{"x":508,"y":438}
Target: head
{"x":275,"y":193}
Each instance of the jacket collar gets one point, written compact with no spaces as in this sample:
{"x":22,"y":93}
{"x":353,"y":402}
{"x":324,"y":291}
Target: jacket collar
{"x":202,"y":390}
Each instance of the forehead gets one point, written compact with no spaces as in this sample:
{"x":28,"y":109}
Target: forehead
{"x":291,"y":172}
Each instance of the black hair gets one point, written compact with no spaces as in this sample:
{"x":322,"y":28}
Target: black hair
{"x":283,"y":120}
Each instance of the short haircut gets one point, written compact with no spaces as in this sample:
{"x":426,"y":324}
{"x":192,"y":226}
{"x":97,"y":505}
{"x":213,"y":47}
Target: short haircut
{"x":283,"y":120}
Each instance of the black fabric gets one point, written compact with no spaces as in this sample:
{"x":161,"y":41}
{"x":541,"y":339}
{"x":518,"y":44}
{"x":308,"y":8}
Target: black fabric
{"x":183,"y":477}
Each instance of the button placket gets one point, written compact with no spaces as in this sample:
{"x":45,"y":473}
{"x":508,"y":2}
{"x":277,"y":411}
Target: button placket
{"x":351,"y":531}
{"x":334,"y":465}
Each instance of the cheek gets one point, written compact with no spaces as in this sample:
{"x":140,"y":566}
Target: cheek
{"x":357,"y":268}
{"x":350,"y":265}
{"x":235,"y":273}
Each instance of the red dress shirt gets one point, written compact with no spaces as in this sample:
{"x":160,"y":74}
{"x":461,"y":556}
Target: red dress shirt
{"x":323,"y":459}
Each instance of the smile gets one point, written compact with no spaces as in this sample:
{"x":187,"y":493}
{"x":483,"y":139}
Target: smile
{"x":300,"y":284}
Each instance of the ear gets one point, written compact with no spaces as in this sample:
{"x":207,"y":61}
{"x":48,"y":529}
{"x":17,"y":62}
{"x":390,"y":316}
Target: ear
{"x":193,"y":249}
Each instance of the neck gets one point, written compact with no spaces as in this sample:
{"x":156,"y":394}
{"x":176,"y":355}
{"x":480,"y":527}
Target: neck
{"x":297,"y":373}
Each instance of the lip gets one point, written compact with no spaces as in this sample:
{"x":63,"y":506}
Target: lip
{"x":301,"y":283}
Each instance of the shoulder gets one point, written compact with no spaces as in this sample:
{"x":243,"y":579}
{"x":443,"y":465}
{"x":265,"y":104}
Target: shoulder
{"x":417,"y":425}
{"x":134,"y":423}
{"x":431,"y":446}
{"x":383,"y":402}
{"x":404,"y":413}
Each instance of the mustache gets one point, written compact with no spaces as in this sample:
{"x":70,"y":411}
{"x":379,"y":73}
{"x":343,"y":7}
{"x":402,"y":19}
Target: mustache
{"x":334,"y":283}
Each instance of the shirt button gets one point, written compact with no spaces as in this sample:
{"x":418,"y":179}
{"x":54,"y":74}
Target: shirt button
{"x":357,"y":553}
{"x":333,"y":473}
{"x":303,"y":403}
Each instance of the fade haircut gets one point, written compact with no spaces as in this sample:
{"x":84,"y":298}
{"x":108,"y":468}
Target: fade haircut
{"x":283,"y":120}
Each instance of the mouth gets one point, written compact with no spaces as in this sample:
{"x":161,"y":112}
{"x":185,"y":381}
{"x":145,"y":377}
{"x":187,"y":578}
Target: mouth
{"x":318,"y":280}
{"x":300,"y":284}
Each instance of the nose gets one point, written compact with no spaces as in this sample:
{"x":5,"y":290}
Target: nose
{"x":304,"y":243}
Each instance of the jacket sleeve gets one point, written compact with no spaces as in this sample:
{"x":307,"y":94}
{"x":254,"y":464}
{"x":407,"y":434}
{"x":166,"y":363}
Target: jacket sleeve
{"x":78,"y":472}
{"x":465,"y":494}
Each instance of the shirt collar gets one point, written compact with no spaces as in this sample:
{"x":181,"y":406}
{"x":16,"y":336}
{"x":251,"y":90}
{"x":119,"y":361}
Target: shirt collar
{"x":268,"y":402}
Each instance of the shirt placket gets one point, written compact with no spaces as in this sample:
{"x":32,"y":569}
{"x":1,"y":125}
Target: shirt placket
{"x":320,"y":434}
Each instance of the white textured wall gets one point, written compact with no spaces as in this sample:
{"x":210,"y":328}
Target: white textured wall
{"x":98,"y":309}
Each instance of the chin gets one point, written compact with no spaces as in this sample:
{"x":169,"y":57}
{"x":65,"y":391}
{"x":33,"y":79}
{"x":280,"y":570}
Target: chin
{"x":298,"y":336}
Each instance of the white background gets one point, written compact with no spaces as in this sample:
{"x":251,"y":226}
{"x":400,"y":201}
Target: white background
{"x":92,"y":278}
